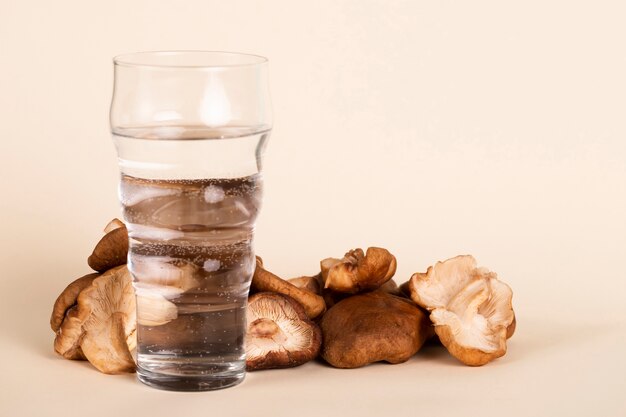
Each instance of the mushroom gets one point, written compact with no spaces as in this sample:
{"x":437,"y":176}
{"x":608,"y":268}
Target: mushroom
{"x":309,"y":283}
{"x":69,"y":335}
{"x":112,"y":249}
{"x":264,"y":280}
{"x":358,"y":271}
{"x":372,"y":327}
{"x":470,"y":308}
{"x":106,"y":310}
{"x":64,"y":321}
{"x":67,"y":299}
{"x":279,"y":335}
{"x":159,"y":279}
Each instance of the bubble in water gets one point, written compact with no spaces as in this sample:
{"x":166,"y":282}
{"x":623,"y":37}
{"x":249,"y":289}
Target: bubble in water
{"x":211,"y":265}
{"x":213,"y":194}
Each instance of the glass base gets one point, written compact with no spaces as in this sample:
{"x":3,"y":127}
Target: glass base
{"x":191,"y":376}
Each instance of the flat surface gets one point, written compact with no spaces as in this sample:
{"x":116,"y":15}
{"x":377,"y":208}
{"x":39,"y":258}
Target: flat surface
{"x":429,"y":128}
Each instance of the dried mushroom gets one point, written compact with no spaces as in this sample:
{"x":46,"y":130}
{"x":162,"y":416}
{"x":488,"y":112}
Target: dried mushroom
{"x":470,"y":308}
{"x":373,"y":327}
{"x":264,"y":280}
{"x":106,"y":310}
{"x":64,"y":321}
{"x":67,"y":299}
{"x":69,"y":335}
{"x":309,"y":283}
{"x":112,"y":249}
{"x":358,"y":271}
{"x":279,"y":335}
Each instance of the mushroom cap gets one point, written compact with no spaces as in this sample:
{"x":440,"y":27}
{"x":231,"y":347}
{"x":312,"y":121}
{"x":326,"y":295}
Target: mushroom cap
{"x":441,"y":282}
{"x":372,"y":327}
{"x":107,"y":311}
{"x":280,"y":335}
{"x":159,"y":279}
{"x":67,"y":299}
{"x":473,"y":327}
{"x":69,"y":335}
{"x":309,"y":283}
{"x":470,"y":308}
{"x":153,"y":309}
{"x":110,"y":251}
{"x":113,"y":224}
{"x":358,"y":271}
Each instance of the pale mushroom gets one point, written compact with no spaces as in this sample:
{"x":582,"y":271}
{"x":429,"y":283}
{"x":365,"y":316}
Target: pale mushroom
{"x":158,"y":280}
{"x":470,"y":308}
{"x":280,"y":335}
{"x":107,"y":311}
{"x":309,"y":283}
{"x":358,"y":271}
{"x":373,"y":327}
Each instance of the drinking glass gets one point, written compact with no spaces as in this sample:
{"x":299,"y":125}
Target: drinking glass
{"x":190,"y":128}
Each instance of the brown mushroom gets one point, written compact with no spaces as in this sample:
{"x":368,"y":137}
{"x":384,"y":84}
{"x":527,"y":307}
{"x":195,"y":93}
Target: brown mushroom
{"x":112,"y":249}
{"x":67,"y":299}
{"x":107,"y":311}
{"x":372,"y":327}
{"x":470,"y":308}
{"x":358,"y":271}
{"x":69,"y":335}
{"x":264,"y":280}
{"x":280,"y":335}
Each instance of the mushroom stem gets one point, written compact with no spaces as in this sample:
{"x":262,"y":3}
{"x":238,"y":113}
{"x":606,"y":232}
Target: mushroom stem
{"x":264,"y":280}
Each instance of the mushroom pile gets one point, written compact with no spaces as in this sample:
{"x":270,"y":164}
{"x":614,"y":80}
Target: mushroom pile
{"x":94,"y":318}
{"x":365,"y":317}
{"x":350,"y":314}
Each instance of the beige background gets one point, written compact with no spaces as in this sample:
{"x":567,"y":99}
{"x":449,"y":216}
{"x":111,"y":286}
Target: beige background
{"x":430,"y":128}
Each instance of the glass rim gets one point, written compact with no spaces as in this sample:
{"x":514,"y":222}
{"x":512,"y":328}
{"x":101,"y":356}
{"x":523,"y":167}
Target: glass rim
{"x":193,"y":59}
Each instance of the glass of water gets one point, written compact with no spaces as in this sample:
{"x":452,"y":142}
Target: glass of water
{"x":190,"y":128}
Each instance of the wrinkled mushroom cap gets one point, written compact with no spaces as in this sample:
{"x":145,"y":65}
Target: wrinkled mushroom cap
{"x":111,"y":250}
{"x":373,"y":327}
{"x":470,"y":308}
{"x":309,"y":283}
{"x":67,"y":299}
{"x":358,"y":271}
{"x":441,"y":282}
{"x":107,"y":311}
{"x":280,"y":335}
{"x":69,"y":336}
{"x":474,"y":325}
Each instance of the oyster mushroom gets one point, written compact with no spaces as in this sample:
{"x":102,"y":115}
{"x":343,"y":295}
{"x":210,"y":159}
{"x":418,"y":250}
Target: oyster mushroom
{"x":280,"y":335}
{"x":470,"y":308}
{"x":264,"y":280}
{"x":112,"y":249}
{"x":107,"y":311}
{"x":358,"y":271}
{"x":373,"y":327}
